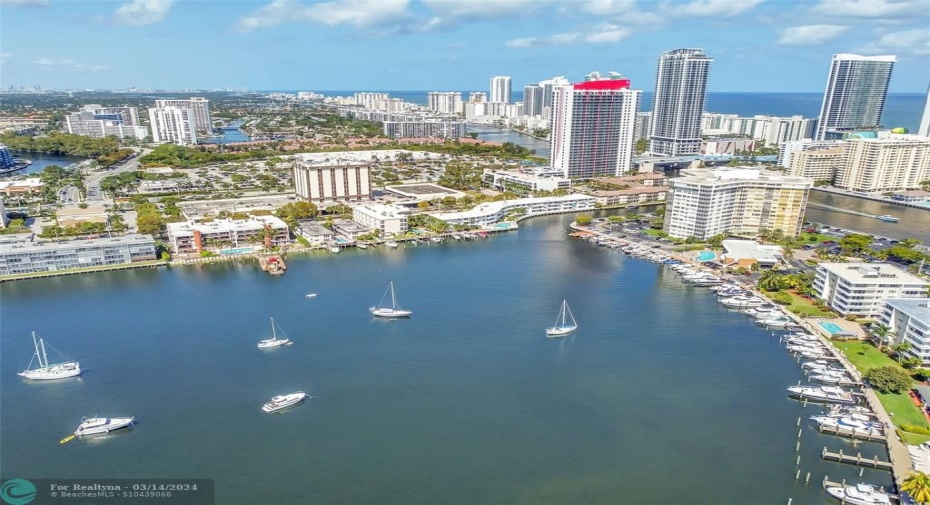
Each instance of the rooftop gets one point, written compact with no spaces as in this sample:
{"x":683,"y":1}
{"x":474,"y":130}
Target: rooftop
{"x":489,"y":208}
{"x":32,"y":245}
{"x":356,"y":157}
{"x":22,"y":183}
{"x":917,"y":308}
{"x":253,"y":223}
{"x":201,"y":209}
{"x":750,"y":249}
{"x":423,"y":191}
{"x":877,"y":273}
{"x":383,"y":211}
{"x":716,"y":175}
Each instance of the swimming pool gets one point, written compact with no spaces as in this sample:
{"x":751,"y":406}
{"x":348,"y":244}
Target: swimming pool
{"x":240,"y":250}
{"x":706,"y":256}
{"x":833,"y":328}
{"x":506,"y":225}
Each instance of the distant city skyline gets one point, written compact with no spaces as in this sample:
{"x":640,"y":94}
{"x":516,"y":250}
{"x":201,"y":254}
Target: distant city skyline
{"x":442,"y":45}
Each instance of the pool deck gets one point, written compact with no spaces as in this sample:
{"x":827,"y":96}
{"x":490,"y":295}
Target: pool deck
{"x":847,"y":326}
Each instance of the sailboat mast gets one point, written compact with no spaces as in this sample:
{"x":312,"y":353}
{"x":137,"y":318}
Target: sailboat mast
{"x":44,"y":361}
{"x":393,"y":298}
{"x":274,"y":336}
{"x":35,"y":344}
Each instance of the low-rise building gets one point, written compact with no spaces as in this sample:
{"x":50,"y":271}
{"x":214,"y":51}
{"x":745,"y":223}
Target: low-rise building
{"x":526,"y":180}
{"x":745,"y":253}
{"x":859,"y":288}
{"x":28,"y":255}
{"x":33,"y":185}
{"x":385,"y":219}
{"x":158,"y":186}
{"x":314,"y":232}
{"x":191,"y":237}
{"x":348,"y":230}
{"x":332,"y":183}
{"x":908,"y":319}
{"x":490,"y":213}
{"x":638,"y":195}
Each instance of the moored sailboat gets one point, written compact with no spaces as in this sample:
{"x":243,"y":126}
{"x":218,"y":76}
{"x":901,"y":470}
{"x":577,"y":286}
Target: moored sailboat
{"x":46,"y":371}
{"x":564,"y":324}
{"x":381,"y":310}
{"x":274,"y":341}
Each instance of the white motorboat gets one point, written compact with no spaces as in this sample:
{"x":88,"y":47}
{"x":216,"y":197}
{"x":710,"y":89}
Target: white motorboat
{"x":564,"y":323}
{"x":860,"y":494}
{"x":391,"y":244}
{"x":825,"y":394}
{"x":282,"y":402}
{"x":335,"y":249}
{"x":381,"y":310}
{"x":833,"y":378}
{"x":96,"y":425}
{"x":746,"y":301}
{"x":46,"y":371}
{"x":361,"y":245}
{"x":853,"y":425}
{"x":310,"y":295}
{"x":777,"y":322}
{"x":274,"y":341}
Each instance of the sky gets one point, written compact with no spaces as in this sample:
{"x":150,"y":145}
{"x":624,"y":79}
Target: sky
{"x":447,"y":45}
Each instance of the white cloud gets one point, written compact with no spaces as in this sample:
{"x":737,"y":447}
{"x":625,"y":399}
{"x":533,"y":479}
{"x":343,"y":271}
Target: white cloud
{"x":5,"y":56}
{"x":710,"y":8}
{"x":475,"y":9}
{"x":358,"y":13}
{"x":915,"y":41}
{"x":69,"y":63}
{"x":23,"y":3}
{"x":605,"y":34}
{"x":143,"y":12}
{"x":602,"y":7}
{"x":873,"y":8}
{"x":810,"y":35}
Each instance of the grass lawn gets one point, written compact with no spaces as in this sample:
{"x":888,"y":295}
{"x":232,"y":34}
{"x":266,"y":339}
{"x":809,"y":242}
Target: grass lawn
{"x":900,"y":406}
{"x":653,"y":233}
{"x":804,"y":307}
{"x":805,"y":238}
{"x":913,"y":438}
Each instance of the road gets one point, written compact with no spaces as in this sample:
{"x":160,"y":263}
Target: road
{"x":92,"y":182}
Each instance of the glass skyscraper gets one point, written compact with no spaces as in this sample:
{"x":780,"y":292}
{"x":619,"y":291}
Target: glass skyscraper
{"x":855,"y":93}
{"x":681,"y":87}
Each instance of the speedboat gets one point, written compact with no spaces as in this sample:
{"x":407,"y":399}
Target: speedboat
{"x":777,"y":322}
{"x":826,"y":394}
{"x":860,"y":494}
{"x":282,"y":402}
{"x":95,"y":425}
{"x":888,"y":218}
{"x":361,"y":245}
{"x":391,"y":244}
{"x":310,"y":295}
{"x":335,"y":249}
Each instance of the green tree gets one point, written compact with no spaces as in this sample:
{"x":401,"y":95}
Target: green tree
{"x":853,"y":243}
{"x":917,"y":486}
{"x":584,"y":219}
{"x":294,"y":211}
{"x":150,"y":223}
{"x":881,"y":332}
{"x":889,"y":379}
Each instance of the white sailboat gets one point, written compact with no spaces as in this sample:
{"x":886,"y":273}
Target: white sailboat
{"x":274,"y":341}
{"x":46,"y":371}
{"x":564,"y":324}
{"x":394,"y":310}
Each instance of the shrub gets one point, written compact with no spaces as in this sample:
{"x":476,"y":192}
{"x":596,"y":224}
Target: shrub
{"x":850,"y":318}
{"x":782,"y":298}
{"x":913,"y":428}
{"x":889,"y":379}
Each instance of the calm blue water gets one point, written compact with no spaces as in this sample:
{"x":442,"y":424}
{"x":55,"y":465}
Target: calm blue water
{"x":41,"y":160}
{"x":661,"y":396}
{"x":913,"y":223}
{"x":901,"y":109}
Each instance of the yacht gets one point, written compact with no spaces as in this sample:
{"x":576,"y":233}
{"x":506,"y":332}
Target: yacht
{"x":95,"y":425}
{"x":360,"y":245}
{"x":833,"y":378}
{"x":45,"y":370}
{"x":826,"y":394}
{"x":777,"y":322}
{"x":741,"y":301}
{"x":334,"y":249}
{"x":391,"y":244}
{"x":850,"y":425}
{"x":282,"y":402}
{"x":860,"y":494}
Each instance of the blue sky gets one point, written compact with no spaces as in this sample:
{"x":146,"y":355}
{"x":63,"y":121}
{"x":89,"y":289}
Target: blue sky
{"x":758,"y":45}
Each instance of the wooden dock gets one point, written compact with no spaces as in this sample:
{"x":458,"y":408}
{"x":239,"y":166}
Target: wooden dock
{"x":857,"y":460}
{"x":273,"y":264}
{"x":849,"y":433}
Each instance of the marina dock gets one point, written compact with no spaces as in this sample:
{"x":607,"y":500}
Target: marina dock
{"x":273,"y":264}
{"x":849,"y":433}
{"x":857,"y":460}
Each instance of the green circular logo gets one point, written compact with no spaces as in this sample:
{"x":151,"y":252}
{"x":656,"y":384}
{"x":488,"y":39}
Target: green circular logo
{"x":17,"y":492}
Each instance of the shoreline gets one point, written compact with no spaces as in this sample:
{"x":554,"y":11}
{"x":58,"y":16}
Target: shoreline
{"x":861,"y":196}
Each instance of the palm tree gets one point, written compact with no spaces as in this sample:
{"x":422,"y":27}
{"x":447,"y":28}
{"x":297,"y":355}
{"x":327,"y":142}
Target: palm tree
{"x":918,"y":487}
{"x":881,"y":331}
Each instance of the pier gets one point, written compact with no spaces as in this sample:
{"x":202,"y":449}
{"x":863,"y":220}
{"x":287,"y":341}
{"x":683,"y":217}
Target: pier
{"x":857,"y":460}
{"x":850,"y":433}
{"x":273,"y":264}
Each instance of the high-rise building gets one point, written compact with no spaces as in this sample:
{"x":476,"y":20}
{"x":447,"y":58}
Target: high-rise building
{"x":547,"y":87}
{"x":367,"y":100}
{"x":172,"y":125}
{"x":681,"y":86}
{"x":97,"y":121}
{"x":532,"y":100}
{"x":884,"y":164}
{"x":855,"y":94}
{"x":925,"y":120}
{"x":816,"y":164}
{"x":641,"y":130}
{"x":478,"y":97}
{"x":500,"y":89}
{"x":591,"y":131}
{"x":447,"y":102}
{"x":199,"y":107}
{"x":328,"y":183}
{"x":704,"y":203}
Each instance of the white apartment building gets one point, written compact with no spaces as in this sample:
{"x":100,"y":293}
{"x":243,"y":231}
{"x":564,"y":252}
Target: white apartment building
{"x":173,"y":125}
{"x":816,"y":164}
{"x":26,"y":256}
{"x":500,"y":89}
{"x":888,"y":163}
{"x":4,"y":220}
{"x":859,"y":288}
{"x":704,"y":203}
{"x":446,"y":102}
{"x":908,"y":319}
{"x":533,"y":100}
{"x":96,"y":121}
{"x":477,"y":97}
{"x":490,"y":213}
{"x":332,"y":183}
{"x":199,"y":107}
{"x":386,"y":219}
{"x":309,"y":95}
{"x":592,"y":127}
{"x":192,"y":237}
{"x":641,"y":126}
{"x":526,"y":180}
{"x":424,"y":129}
{"x":771,"y":130}
{"x":547,"y":86}
{"x":787,"y":149}
{"x":367,"y":100}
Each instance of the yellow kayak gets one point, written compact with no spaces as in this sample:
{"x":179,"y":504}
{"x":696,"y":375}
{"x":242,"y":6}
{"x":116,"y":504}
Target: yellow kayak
{"x":66,"y":439}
